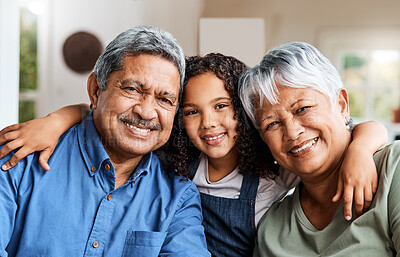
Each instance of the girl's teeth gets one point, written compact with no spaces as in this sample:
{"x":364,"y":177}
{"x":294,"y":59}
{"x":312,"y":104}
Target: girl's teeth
{"x":213,"y":138}
{"x":304,"y":146}
{"x":136,"y":128}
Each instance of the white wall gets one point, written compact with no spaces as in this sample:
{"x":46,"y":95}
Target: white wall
{"x":105,"y":19}
{"x":285,"y":20}
{"x":9,"y":62}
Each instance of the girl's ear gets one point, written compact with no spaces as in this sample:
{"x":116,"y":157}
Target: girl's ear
{"x":93,"y":89}
{"x":343,"y":104}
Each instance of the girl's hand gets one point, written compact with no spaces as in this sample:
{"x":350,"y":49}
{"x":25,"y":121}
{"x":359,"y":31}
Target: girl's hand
{"x":358,"y":178}
{"x":40,"y":134}
{"x":34,"y":135}
{"x":358,"y":181}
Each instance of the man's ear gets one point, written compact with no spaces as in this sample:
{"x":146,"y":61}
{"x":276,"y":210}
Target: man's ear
{"x":93,"y":89}
{"x":343,"y":104}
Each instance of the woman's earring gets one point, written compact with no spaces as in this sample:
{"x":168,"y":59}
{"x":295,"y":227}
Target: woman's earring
{"x":275,"y":162}
{"x":350,"y":125}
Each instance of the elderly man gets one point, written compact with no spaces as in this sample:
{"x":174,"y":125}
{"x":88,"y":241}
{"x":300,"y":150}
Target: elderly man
{"x":107,"y":193}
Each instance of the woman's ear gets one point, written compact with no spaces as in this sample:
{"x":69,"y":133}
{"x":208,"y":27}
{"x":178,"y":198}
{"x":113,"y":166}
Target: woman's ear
{"x":93,"y":89}
{"x":343,"y":104}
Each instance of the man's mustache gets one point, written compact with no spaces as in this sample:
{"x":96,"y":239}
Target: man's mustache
{"x":137,"y":120}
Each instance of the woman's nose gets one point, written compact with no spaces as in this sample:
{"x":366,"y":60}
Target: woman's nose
{"x":293,"y":129}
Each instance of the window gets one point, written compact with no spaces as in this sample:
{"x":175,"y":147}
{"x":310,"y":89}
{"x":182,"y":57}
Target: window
{"x":372,"y":78}
{"x":28,"y":63}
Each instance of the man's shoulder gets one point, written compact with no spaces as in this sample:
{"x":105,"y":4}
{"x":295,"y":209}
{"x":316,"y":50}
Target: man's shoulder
{"x":169,"y":178}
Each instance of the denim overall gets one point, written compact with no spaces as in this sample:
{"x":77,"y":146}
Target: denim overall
{"x":230,"y":223}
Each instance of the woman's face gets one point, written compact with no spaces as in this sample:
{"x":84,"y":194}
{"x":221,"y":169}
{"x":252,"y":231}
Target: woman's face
{"x":208,"y":116}
{"x":305,"y":134}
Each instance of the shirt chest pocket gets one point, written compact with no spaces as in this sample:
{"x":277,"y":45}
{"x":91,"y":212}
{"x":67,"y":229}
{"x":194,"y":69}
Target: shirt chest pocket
{"x":143,"y":243}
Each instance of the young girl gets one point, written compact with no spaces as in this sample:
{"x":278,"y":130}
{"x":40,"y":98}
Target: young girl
{"x":215,"y":145}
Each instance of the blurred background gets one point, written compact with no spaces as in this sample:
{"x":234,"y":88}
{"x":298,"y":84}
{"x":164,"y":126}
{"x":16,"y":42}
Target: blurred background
{"x":47,"y":48}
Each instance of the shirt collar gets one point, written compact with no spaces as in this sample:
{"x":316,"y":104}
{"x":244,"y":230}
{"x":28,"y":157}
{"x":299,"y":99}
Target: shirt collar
{"x":144,"y":166}
{"x":91,"y":146}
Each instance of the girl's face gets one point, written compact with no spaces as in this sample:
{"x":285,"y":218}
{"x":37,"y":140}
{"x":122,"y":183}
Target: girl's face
{"x":208,"y":116}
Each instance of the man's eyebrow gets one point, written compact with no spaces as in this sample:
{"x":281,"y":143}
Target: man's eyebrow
{"x":169,"y":95}
{"x":132,"y":82}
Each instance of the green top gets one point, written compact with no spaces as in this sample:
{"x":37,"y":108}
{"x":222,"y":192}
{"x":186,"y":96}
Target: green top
{"x":285,"y":230}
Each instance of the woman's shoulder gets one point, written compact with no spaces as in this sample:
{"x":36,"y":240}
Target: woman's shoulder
{"x":388,"y":152}
{"x":387,"y":160}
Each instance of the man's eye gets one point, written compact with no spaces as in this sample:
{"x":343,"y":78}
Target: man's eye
{"x":132,"y":90}
{"x":166,"y":100}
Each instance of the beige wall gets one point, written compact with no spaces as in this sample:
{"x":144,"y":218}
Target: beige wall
{"x":285,"y":20}
{"x":303,"y":20}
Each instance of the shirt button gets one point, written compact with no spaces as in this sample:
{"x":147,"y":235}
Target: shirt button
{"x":93,"y":168}
{"x":95,"y":244}
{"x":109,"y":197}
{"x":107,"y":166}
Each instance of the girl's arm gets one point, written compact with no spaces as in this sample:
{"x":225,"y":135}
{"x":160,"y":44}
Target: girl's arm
{"x":358,"y":176}
{"x":40,"y":134}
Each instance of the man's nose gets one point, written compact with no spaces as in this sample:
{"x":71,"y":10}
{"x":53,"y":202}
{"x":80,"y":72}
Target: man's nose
{"x":146,"y":108}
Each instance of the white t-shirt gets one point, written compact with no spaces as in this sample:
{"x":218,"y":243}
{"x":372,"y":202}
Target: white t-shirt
{"x":229,"y":187}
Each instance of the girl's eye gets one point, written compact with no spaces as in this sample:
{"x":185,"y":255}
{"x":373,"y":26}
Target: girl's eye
{"x":302,"y":109}
{"x":190,"y":112}
{"x":220,"y":106}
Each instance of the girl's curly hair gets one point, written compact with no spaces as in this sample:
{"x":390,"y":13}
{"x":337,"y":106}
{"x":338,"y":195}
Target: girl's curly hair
{"x":254,"y":154}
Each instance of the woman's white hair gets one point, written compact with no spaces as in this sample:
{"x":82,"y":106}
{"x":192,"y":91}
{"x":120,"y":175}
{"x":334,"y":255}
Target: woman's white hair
{"x":293,"y":64}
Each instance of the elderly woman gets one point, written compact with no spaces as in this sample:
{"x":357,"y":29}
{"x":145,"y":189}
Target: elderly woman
{"x":296,"y":99}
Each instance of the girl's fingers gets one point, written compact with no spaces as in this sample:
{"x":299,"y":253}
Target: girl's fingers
{"x":19,"y":155}
{"x":8,"y":129}
{"x":358,"y":201}
{"x":348,"y":202}
{"x":339,"y":191}
{"x":44,"y":158}
{"x":8,"y":136}
{"x":10,"y":146}
{"x":368,"y":196}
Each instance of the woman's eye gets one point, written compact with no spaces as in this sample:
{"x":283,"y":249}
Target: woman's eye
{"x":271,"y":125}
{"x":302,"y":109}
{"x":220,"y":106}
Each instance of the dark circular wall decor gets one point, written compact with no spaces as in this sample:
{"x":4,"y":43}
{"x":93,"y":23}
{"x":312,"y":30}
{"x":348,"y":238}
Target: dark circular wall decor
{"x":81,"y":51}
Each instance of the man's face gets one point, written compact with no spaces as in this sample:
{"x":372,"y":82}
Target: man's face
{"x":134,"y":115}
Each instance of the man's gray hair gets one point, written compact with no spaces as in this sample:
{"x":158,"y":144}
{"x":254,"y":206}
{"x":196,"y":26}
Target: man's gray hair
{"x":133,"y":42}
{"x":293,"y":64}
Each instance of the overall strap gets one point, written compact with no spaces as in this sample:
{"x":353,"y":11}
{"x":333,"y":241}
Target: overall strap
{"x":193,"y":168}
{"x":249,"y":188}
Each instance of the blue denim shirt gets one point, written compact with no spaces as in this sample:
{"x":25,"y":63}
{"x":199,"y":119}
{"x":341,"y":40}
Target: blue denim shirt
{"x":74,"y":210}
